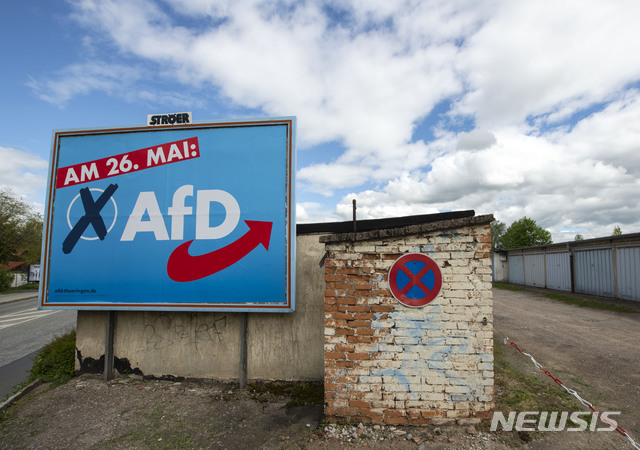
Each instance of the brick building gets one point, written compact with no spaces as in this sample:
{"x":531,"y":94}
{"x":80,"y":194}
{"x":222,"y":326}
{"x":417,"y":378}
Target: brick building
{"x":389,"y":363}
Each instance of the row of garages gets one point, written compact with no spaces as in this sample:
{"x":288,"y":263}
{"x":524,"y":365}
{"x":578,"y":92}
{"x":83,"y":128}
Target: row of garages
{"x":607,"y":267}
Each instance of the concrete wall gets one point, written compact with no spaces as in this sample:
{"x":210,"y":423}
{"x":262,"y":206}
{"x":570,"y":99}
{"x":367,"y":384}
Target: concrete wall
{"x":207,"y":345}
{"x":389,"y":363}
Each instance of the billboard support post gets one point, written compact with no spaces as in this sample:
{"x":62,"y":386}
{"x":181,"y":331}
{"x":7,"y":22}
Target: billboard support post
{"x":108,"y":346}
{"x":243,"y":350}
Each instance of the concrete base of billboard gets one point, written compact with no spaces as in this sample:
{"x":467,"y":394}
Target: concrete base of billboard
{"x":281,"y":346}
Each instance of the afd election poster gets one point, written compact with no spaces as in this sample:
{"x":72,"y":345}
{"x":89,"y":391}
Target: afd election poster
{"x":191,"y":216}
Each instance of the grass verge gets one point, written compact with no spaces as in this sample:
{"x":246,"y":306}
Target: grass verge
{"x":589,"y":304}
{"x":25,"y":287}
{"x":516,"y":391}
{"x":507,"y":287}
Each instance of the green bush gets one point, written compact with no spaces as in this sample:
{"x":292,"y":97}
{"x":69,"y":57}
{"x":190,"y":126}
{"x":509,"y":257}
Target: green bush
{"x":56,"y":361}
{"x":27,"y":287}
{"x":6,"y":279}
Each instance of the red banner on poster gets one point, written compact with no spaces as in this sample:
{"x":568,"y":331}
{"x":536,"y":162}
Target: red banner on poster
{"x":128,"y":162}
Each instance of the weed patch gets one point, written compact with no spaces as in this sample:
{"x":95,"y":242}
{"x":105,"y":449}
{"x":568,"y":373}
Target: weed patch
{"x":300,"y":393}
{"x":55,"y":363}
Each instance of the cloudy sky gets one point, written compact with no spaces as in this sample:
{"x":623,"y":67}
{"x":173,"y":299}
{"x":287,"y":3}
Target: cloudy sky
{"x":515,"y":108}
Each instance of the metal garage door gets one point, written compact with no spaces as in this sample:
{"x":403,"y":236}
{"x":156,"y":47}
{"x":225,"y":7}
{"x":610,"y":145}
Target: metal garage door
{"x":559,"y":271}
{"x":628,"y":267}
{"x":534,"y":272}
{"x":594,"y":272}
{"x":516,"y":269}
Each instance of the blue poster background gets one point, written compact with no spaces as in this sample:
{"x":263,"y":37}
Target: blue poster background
{"x":248,"y":162}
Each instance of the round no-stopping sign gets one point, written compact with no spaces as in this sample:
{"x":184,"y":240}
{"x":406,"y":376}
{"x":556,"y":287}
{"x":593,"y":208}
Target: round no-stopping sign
{"x":415,"y":280}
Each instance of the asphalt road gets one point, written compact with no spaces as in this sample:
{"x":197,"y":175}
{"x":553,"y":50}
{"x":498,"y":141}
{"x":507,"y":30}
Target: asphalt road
{"x":23,"y":331}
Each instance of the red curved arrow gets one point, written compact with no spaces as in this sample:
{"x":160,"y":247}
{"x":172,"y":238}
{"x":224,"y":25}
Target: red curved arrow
{"x":182,"y":267}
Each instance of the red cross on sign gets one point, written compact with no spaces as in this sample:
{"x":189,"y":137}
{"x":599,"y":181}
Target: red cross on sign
{"x":415,"y":279}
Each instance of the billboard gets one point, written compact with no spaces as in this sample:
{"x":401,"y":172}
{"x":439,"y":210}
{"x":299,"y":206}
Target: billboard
{"x":190,"y":216}
{"x":34,"y":273}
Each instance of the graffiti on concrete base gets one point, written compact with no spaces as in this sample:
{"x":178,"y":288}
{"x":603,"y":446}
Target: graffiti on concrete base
{"x":166,"y":330}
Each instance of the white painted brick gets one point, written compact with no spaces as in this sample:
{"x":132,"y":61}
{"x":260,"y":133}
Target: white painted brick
{"x":422,"y":388}
{"x":407,"y":356}
{"x":384,"y":404}
{"x":462,"y":255}
{"x":383,"y":264}
{"x":462,"y":286}
{"x":457,"y":263}
{"x":463,"y":301}
{"x":358,"y":387}
{"x":387,"y":249}
{"x":364,"y":248}
{"x":395,"y":388}
{"x":432,"y":397}
{"x":370,"y":379}
{"x":382,"y":365}
{"x":403,"y":340}
{"x":347,"y":256}
{"x":359,"y":371}
{"x":383,"y":323}
{"x":371,"y":396}
{"x":453,"y":277}
{"x":448,"y":293}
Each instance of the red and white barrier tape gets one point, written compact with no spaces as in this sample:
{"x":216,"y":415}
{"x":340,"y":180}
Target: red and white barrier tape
{"x":618,"y":428}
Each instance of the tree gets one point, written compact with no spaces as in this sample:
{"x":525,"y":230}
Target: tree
{"x":497,"y":230}
{"x":578,"y":237}
{"x":616,"y":231}
{"x":525,"y":232}
{"x":20,"y":229}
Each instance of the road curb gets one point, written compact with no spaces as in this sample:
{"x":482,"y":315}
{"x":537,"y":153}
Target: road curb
{"x":17,"y":396}
{"x":6,"y":302}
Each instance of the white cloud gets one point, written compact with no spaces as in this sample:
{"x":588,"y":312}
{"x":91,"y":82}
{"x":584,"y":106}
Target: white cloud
{"x":475,"y":140}
{"x":586,"y":179}
{"x":366,"y":73}
{"x":312,"y":212}
{"x":539,"y":58}
{"x":122,"y":81}
{"x":81,"y":79}
{"x":365,"y":87}
{"x":24,"y":173}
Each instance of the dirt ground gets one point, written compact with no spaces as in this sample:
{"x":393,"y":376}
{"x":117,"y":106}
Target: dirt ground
{"x":133,"y":413}
{"x":592,"y":351}
{"x":595,"y":352}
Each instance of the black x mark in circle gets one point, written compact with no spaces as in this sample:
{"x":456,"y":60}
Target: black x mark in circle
{"x":92,"y":216}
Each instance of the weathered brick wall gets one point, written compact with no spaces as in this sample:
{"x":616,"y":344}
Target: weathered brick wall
{"x":388,"y":363}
